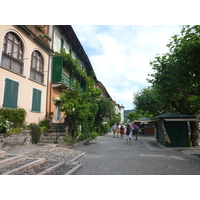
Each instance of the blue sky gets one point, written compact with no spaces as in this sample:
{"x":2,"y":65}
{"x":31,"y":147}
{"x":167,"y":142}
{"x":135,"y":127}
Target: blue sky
{"x":120,"y":55}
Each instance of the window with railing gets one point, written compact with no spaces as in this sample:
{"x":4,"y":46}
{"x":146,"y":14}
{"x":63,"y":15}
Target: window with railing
{"x":37,"y":67}
{"x":12,"y":54}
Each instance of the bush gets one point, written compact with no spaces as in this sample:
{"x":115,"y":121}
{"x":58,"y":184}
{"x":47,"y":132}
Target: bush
{"x":93,"y":135}
{"x":5,"y":125}
{"x":105,"y":128}
{"x":43,"y":129}
{"x":35,"y":133}
{"x":14,"y":130}
{"x":45,"y":123}
{"x":16,"y":116}
{"x":67,"y":138}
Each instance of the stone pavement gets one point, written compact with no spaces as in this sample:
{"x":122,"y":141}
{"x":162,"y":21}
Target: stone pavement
{"x":112,"y":156}
{"x":28,"y":149}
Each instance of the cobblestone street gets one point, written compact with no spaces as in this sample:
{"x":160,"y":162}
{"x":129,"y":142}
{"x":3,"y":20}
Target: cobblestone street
{"x":112,"y":156}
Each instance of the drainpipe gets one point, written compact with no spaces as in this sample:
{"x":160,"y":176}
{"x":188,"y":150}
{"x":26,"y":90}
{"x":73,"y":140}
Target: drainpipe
{"x":50,"y":71}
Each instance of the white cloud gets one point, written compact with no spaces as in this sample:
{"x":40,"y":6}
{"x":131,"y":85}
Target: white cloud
{"x":120,"y":55}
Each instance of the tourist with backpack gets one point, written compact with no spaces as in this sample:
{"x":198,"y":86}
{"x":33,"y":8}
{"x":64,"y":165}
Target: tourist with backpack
{"x":128,"y":133}
{"x":114,"y":130}
{"x":136,"y":128}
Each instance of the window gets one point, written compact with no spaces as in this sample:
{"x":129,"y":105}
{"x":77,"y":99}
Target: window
{"x":36,"y":100}
{"x":10,"y":93}
{"x":57,"y":114}
{"x":62,"y":43}
{"x":12,"y":54}
{"x":37,"y":67}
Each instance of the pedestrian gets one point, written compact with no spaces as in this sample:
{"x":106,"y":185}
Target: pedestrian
{"x":136,"y":128}
{"x":117,"y":129}
{"x":122,"y":129}
{"x":114,"y":130}
{"x":128,"y":134}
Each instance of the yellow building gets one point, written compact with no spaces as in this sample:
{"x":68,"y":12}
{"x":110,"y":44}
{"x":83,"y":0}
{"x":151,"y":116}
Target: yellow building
{"x":24,"y":67}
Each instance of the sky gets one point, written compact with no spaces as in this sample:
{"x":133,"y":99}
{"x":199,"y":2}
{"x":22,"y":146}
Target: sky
{"x":120,"y":55}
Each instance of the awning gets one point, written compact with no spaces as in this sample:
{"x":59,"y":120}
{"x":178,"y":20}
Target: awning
{"x":181,"y":119}
{"x":144,"y":119}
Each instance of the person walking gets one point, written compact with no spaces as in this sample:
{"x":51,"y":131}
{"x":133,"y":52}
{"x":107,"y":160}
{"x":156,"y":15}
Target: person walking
{"x":114,"y":130}
{"x":122,"y":129}
{"x":117,"y":129}
{"x":128,"y":133}
{"x":136,"y":128}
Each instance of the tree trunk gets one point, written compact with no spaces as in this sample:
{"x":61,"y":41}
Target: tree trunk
{"x":194,"y":136}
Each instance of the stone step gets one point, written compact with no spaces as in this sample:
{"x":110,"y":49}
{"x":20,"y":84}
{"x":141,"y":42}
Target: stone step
{"x":11,"y":160}
{"x":54,"y":130}
{"x":53,"y":134}
{"x":2,"y":153}
{"x":26,"y":167}
{"x":52,"y":169}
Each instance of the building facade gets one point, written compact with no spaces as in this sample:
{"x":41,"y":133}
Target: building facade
{"x":32,"y":75}
{"x":24,"y":67}
{"x":62,"y":74}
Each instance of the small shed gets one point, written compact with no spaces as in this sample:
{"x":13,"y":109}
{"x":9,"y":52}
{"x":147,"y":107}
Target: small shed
{"x":147,"y":127}
{"x":172,"y":130}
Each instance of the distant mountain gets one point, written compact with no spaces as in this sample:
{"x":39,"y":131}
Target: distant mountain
{"x":127,"y":111}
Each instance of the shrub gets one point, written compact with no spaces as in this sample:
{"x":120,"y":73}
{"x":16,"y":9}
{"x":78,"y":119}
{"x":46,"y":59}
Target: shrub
{"x":43,"y":129}
{"x":105,"y":128}
{"x":35,"y":133}
{"x":45,"y":123}
{"x":93,"y":134}
{"x":67,"y":138}
{"x":14,"y":130}
{"x":16,"y":116}
{"x":5,"y":125}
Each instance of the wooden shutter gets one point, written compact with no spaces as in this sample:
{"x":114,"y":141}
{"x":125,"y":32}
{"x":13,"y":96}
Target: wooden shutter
{"x":57,"y":69}
{"x":10,"y":93}
{"x":36,"y":100}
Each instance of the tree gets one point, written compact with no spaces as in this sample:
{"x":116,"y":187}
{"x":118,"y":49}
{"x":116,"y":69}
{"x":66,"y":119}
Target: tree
{"x":106,"y":109}
{"x":134,"y":115}
{"x":177,"y":75}
{"x":148,"y":103}
{"x":80,"y":107}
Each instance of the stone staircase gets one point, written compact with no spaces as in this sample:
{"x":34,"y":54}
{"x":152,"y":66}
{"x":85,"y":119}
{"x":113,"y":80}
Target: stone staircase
{"x":54,"y":134}
{"x":13,"y":164}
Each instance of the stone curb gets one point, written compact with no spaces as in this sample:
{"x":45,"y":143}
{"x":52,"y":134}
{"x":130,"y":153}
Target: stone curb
{"x":12,"y":160}
{"x":2,"y":153}
{"x":73,"y":170}
{"x":77,"y":167}
{"x":52,"y":169}
{"x":26,"y":167}
{"x":72,"y":160}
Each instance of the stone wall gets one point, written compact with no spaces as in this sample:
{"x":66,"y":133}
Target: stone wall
{"x":14,"y":140}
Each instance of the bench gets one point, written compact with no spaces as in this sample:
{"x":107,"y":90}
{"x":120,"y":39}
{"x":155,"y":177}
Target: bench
{"x":87,"y":139}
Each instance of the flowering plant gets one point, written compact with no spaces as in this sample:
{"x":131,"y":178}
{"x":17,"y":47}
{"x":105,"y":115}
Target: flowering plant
{"x":5,"y":125}
{"x":49,"y":37}
{"x":44,"y":39}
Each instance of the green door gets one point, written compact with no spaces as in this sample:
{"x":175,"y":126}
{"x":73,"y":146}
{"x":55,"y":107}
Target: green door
{"x":178,"y":133}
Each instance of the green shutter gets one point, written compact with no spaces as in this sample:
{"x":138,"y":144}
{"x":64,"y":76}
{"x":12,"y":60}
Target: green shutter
{"x":36,"y":100}
{"x":57,"y":69}
{"x":10,"y":93}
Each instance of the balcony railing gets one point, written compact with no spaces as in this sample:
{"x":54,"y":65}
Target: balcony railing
{"x":66,"y":81}
{"x":41,"y":33}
